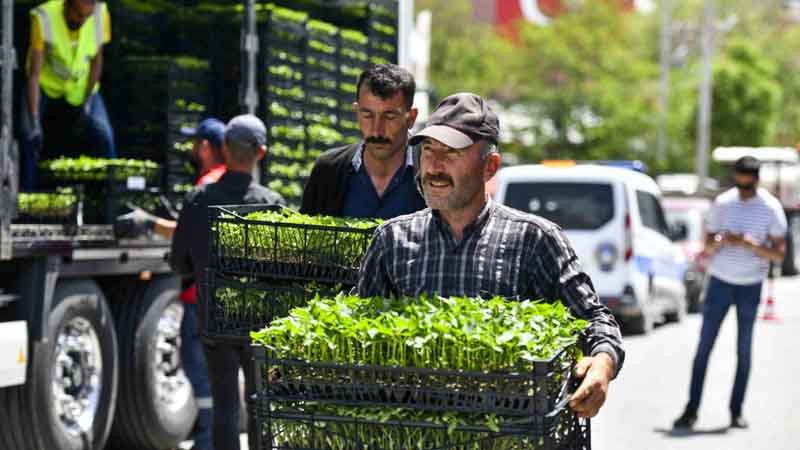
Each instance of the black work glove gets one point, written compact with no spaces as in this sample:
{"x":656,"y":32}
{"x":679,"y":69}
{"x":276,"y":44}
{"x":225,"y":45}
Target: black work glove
{"x":36,"y":138}
{"x":135,"y":223}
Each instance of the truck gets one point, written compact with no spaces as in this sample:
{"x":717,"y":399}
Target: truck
{"x":90,"y":321}
{"x":780,"y":175}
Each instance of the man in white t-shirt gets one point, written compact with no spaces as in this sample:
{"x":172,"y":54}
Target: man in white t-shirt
{"x":746,"y":230}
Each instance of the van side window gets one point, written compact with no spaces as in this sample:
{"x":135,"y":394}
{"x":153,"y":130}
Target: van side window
{"x":651,"y":212}
{"x":572,"y":206}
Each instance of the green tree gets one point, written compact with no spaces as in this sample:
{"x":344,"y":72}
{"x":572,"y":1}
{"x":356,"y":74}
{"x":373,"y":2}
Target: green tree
{"x":465,"y":55}
{"x":590,"y":81}
{"x":746,"y":97}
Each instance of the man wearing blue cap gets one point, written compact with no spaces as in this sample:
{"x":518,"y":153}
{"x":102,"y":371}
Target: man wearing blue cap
{"x":207,"y":149}
{"x":207,"y":155}
{"x":207,"y":141}
{"x":245,"y":143}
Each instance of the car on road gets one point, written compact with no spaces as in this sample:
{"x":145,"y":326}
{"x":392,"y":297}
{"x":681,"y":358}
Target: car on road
{"x":615,"y":221}
{"x":687,"y":215}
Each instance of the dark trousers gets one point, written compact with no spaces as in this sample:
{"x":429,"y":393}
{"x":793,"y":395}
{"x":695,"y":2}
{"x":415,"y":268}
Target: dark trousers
{"x":719,"y":297}
{"x":224,"y":361}
{"x":194,"y":364}
{"x":97,"y":125}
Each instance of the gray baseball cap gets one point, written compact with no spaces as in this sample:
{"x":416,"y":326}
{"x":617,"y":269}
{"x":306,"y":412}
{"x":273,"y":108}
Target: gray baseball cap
{"x":459,"y":121}
{"x":246,"y":129}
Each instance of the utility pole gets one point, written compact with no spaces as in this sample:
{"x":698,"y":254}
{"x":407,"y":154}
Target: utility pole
{"x":704,"y":111}
{"x":663,"y":97}
{"x":247,"y":88}
{"x":249,"y":58}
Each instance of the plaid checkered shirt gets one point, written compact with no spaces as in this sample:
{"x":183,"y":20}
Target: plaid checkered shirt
{"x":503,"y":252}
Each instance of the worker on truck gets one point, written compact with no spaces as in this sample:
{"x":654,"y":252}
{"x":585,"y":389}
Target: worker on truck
{"x":64,"y":64}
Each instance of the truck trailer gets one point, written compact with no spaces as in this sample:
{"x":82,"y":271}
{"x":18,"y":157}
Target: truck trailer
{"x":89,"y":321}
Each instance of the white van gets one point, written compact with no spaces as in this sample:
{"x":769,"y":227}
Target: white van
{"x":614,"y":219}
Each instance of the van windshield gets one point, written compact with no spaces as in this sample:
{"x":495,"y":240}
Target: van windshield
{"x":573,"y":206}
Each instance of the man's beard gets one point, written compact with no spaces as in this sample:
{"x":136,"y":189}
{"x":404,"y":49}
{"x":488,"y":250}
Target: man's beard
{"x":751,"y":187}
{"x":455,"y":200}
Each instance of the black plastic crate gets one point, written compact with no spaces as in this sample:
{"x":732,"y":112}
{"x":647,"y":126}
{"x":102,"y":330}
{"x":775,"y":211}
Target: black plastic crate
{"x":284,"y":250}
{"x":115,"y":174}
{"x":63,"y":206}
{"x":107,"y":191}
{"x":282,"y":426}
{"x":513,"y":393}
{"x":235,"y":306}
{"x":105,"y":206}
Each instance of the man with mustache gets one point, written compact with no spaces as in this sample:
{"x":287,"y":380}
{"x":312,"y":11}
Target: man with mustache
{"x":375,"y":177}
{"x":746,"y":229}
{"x":464,"y":244}
{"x":65,"y":61}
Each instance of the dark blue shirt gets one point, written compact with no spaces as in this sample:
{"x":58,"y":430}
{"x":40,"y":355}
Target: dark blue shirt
{"x":400,"y":197}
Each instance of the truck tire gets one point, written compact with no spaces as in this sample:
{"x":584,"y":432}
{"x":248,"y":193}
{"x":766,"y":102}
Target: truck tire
{"x":156,"y":409}
{"x":11,"y":434}
{"x":71,"y":391}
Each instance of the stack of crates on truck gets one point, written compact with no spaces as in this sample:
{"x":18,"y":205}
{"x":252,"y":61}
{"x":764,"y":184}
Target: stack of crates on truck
{"x":310,"y":66}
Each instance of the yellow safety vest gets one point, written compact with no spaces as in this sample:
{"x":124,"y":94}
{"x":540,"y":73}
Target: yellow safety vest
{"x":66,"y":68}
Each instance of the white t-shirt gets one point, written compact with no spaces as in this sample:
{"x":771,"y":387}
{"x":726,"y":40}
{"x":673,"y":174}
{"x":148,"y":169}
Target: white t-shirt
{"x":760,"y":217}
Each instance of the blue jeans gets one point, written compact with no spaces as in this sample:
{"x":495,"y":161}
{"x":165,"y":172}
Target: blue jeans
{"x":98,"y":127}
{"x":194,"y":364}
{"x":719,"y":297}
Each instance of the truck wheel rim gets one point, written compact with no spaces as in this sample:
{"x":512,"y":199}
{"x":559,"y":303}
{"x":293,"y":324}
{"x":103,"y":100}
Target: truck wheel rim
{"x":77,"y":377}
{"x":172,"y":388}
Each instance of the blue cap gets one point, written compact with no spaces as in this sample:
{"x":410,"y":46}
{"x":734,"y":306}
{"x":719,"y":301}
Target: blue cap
{"x":246,"y":129}
{"x":212,"y":130}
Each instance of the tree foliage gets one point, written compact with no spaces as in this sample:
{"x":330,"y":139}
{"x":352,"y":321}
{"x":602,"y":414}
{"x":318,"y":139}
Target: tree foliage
{"x":465,"y":55}
{"x":745,"y":98}
{"x":589,"y":81}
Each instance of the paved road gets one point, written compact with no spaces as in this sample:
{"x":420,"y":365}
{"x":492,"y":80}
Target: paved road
{"x":653,"y":387}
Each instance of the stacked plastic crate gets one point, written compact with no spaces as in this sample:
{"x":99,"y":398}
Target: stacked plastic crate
{"x":283,"y":37}
{"x":162,"y":54}
{"x":170,"y":94}
{"x":261,"y":267}
{"x":310,"y":73}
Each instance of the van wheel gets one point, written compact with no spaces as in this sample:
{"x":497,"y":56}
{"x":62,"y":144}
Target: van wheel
{"x":70,"y":395}
{"x":643,"y":324}
{"x":156,"y":409}
{"x":679,"y":313}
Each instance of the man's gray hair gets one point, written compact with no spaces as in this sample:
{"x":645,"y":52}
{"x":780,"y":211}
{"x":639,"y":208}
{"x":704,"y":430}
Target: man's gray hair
{"x":488,"y":149}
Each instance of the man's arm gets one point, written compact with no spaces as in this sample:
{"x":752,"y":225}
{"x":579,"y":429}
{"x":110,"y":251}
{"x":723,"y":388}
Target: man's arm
{"x":94,"y":77}
{"x":165,"y":228}
{"x":774,"y":250}
{"x":561,"y":271}
{"x":36,"y":61}
{"x":373,"y":279}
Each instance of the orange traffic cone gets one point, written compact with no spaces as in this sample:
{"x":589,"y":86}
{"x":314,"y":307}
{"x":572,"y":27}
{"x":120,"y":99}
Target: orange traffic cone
{"x":769,"y":310}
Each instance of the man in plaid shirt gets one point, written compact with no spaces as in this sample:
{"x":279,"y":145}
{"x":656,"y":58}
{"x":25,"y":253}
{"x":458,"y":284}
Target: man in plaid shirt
{"x":466,"y":245}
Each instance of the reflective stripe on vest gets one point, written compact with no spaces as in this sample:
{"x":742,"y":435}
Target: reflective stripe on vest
{"x":98,"y":25}
{"x":59,"y":69}
{"x":68,"y":63}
